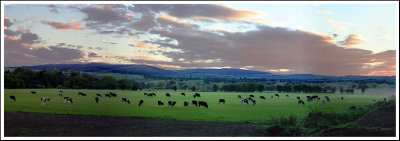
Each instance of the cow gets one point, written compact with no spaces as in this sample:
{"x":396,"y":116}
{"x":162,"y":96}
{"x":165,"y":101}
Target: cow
{"x":251,"y":95}
{"x":99,"y":95}
{"x":141,"y":103}
{"x":113,"y":94}
{"x":168,"y":95}
{"x":171,"y":103}
{"x":301,"y":102}
{"x":108,"y":95}
{"x":33,"y":92}
{"x":83,"y":94}
{"x":125,"y":100}
{"x":277,"y":95}
{"x":244,"y":101}
{"x":183,"y":94}
{"x":341,"y":98}
{"x":202,"y":103}
{"x":153,"y":94}
{"x":287,"y":95}
{"x":12,"y":97}
{"x":160,"y":103}
{"x":221,"y":100}
{"x":254,"y":101}
{"x":308,"y":97}
{"x":272,"y":96}
{"x":67,"y":99}
{"x":44,"y":100}
{"x":298,"y":98}
{"x":353,"y":107}
{"x":145,"y":94}
{"x":323,"y":102}
{"x":185,"y":104}
{"x":327,"y":99}
{"x":262,"y":97}
{"x":240,"y":97}
{"x":96,"y":99}
{"x":194,"y":102}
{"x":60,"y":93}
{"x":194,"y":96}
{"x":197,"y":95}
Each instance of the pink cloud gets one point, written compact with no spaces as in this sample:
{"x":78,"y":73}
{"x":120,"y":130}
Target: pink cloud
{"x":64,"y":27}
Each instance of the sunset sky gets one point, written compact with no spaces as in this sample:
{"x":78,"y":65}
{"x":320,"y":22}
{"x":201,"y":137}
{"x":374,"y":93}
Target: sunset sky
{"x":327,"y":39}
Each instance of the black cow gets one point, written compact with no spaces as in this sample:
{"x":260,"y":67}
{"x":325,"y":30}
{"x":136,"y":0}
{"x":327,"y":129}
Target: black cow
{"x":113,"y":94}
{"x":160,"y":103}
{"x":308,"y":97}
{"x":108,"y":95}
{"x":44,"y":100}
{"x":67,"y":99}
{"x":153,"y":94}
{"x":185,"y":104}
{"x":202,"y":103}
{"x":341,"y":98}
{"x":168,"y":95}
{"x":384,"y":99}
{"x":353,"y":107}
{"x":262,"y":97}
{"x":254,"y":101}
{"x":96,"y":99}
{"x":197,"y":95}
{"x":301,"y":102}
{"x":145,"y":94}
{"x":99,"y":95}
{"x":12,"y":97}
{"x":141,"y":103}
{"x":183,"y":94}
{"x":251,"y":95}
{"x":83,"y":94}
{"x":171,"y":103}
{"x":277,"y":95}
{"x":240,"y":97}
{"x":287,"y":95}
{"x":60,"y":93}
{"x":125,"y":100}
{"x":327,"y":99}
{"x":194,"y":102}
{"x":33,"y":92}
{"x":298,"y":98}
{"x":221,"y":100}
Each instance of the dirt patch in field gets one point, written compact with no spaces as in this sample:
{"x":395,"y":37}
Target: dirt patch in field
{"x":381,"y":122}
{"x":31,"y":124}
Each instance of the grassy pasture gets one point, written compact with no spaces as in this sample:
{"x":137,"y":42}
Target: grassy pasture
{"x":232,"y":110}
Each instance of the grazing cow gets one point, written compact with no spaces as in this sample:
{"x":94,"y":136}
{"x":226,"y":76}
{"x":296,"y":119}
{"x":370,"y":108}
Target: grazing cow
{"x":83,"y":94}
{"x":145,"y":94}
{"x":254,"y":101}
{"x":12,"y":97}
{"x":287,"y":95}
{"x":262,"y":97}
{"x":197,"y":94}
{"x":108,"y":95}
{"x":99,"y":95}
{"x":341,"y":98}
{"x":202,"y":103}
{"x":240,"y":97}
{"x":298,"y":98}
{"x":60,"y":93}
{"x":113,"y":94}
{"x":301,"y":102}
{"x":277,"y":95}
{"x":194,"y":102}
{"x":185,"y":104}
{"x":244,"y":101}
{"x":125,"y":100}
{"x":327,"y":99}
{"x":33,"y":92}
{"x":160,"y":103}
{"x":141,"y":103}
{"x":67,"y":99}
{"x":251,"y":95}
{"x":171,"y":103}
{"x":323,"y":102}
{"x":153,"y":94}
{"x":96,"y":99}
{"x":183,"y":94}
{"x":272,"y":96}
{"x":168,"y":95}
{"x":308,"y":97}
{"x":194,"y":96}
{"x":44,"y":100}
{"x":221,"y":100}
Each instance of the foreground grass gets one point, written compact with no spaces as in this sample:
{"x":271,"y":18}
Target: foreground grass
{"x":232,"y":111}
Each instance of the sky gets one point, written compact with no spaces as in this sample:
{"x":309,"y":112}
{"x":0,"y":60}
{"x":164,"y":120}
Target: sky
{"x":325,"y":39}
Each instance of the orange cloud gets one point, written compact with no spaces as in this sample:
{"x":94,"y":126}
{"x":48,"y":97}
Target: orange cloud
{"x":147,"y":58}
{"x":352,"y":40}
{"x":128,"y":16}
{"x":64,"y":27}
{"x":12,"y":38}
{"x":142,"y":45}
{"x":174,"y":19}
{"x":325,"y":12}
{"x":132,"y":39}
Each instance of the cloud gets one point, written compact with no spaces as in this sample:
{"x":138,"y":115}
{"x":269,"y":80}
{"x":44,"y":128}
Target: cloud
{"x":53,"y":8}
{"x":29,"y":38}
{"x":351,"y":41}
{"x":64,"y":27}
{"x":325,"y":12}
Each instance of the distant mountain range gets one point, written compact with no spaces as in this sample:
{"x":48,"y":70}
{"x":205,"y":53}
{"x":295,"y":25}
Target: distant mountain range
{"x":194,"y":73}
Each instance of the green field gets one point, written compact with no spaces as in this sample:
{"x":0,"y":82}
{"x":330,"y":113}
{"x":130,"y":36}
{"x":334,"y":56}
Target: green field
{"x":231,"y":111}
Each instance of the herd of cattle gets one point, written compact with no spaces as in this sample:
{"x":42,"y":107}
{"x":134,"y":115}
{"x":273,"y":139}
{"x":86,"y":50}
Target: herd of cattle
{"x":250,"y":98}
